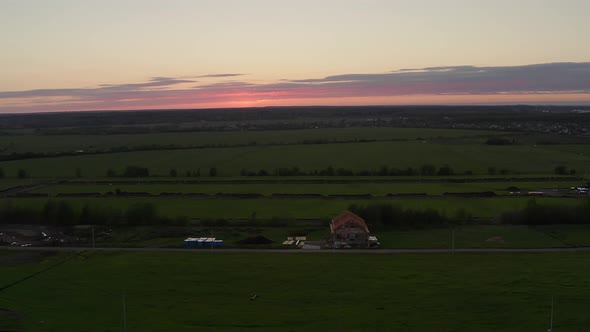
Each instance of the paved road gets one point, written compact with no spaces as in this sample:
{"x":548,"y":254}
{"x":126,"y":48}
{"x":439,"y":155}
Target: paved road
{"x":301,"y":251}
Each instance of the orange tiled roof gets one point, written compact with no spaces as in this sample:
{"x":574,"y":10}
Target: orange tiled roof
{"x":348,"y":217}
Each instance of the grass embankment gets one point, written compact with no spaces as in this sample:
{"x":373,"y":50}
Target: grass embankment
{"x":311,"y":292}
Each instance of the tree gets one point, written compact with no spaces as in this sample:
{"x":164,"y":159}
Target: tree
{"x":142,"y":214}
{"x":111,"y":173}
{"x":428,"y":169}
{"x":22,"y":174}
{"x":78,"y":172}
{"x":560,"y":170}
{"x":173,"y":173}
{"x":1,"y":173}
{"x":65,"y":214}
{"x":213,"y":171}
{"x":329,"y":171}
{"x":136,"y":172}
{"x":445,"y":170}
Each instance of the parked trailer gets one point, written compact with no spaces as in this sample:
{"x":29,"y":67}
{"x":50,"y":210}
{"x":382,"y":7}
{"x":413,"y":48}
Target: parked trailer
{"x":203,"y":242}
{"x":190,"y":242}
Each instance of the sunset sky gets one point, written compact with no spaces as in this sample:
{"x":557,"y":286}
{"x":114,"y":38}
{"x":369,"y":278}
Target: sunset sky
{"x":66,"y":55}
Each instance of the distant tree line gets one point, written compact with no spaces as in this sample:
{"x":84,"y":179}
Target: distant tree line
{"x":424,"y":170}
{"x":64,"y":213}
{"x":427,"y":170}
{"x":142,"y":172}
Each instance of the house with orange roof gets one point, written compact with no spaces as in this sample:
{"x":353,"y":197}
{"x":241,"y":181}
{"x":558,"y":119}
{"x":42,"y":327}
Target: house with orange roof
{"x":349,"y":230}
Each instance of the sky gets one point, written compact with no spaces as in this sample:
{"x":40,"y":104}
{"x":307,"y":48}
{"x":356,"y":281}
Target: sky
{"x":70,"y":55}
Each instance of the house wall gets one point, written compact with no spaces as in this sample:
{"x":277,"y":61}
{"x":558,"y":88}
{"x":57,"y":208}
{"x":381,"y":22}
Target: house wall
{"x":352,"y":236}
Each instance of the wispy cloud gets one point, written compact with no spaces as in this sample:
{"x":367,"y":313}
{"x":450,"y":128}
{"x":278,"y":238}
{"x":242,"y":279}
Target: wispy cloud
{"x":220,"y":75}
{"x":101,"y":90}
{"x":556,"y":78}
{"x":153,"y":82}
{"x":552,"y":77}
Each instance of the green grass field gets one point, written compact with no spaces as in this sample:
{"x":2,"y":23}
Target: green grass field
{"x":489,"y":236}
{"x":523,"y":159}
{"x":266,"y":208}
{"x":311,"y":292}
{"x":375,"y":189}
{"x":64,"y":143}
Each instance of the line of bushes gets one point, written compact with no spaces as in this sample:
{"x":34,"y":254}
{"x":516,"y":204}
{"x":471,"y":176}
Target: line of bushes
{"x":391,"y":216}
{"x":427,"y":170}
{"x":541,"y":214}
{"x":64,"y":213}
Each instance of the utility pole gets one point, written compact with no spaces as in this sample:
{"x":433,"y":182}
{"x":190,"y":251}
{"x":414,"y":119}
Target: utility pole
{"x":551,"y":321}
{"x":340,"y":316}
{"x":453,"y":241}
{"x":124,"y":314}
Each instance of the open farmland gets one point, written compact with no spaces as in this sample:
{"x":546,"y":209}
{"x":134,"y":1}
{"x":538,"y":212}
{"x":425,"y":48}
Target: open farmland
{"x":90,"y":143}
{"x":314,"y":292}
{"x":476,"y":158}
{"x":202,"y":199}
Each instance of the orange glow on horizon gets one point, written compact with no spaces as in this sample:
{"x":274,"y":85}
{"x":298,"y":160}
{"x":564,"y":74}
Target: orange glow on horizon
{"x":402,"y":100}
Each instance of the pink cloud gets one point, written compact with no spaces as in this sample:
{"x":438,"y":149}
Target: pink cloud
{"x":163,"y":92}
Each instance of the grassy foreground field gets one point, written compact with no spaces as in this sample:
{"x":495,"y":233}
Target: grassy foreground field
{"x":310,"y":292}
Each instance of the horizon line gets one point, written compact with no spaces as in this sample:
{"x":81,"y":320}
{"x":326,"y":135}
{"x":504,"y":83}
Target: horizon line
{"x":582,"y":104}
